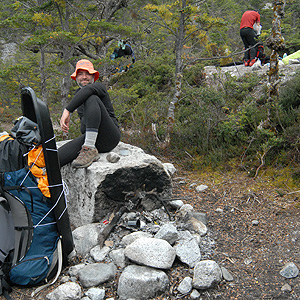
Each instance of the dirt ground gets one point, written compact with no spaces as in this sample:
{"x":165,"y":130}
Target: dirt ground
{"x":254,"y":254}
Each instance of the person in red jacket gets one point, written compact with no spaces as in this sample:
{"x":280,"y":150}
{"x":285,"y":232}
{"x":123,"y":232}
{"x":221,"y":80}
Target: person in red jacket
{"x":99,"y":125}
{"x":248,"y":35}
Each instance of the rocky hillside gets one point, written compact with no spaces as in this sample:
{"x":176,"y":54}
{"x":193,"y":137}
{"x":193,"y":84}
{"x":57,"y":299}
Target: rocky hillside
{"x":286,"y":72}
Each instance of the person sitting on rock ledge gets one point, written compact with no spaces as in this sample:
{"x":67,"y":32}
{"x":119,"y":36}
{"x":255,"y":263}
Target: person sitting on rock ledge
{"x":98,"y":123}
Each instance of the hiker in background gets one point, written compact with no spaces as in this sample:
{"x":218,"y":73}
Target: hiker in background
{"x":123,"y":50}
{"x":249,"y":19}
{"x":99,"y":125}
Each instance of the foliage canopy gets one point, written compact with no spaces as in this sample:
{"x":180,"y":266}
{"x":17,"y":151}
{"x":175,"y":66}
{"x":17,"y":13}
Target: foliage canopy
{"x":211,"y":125}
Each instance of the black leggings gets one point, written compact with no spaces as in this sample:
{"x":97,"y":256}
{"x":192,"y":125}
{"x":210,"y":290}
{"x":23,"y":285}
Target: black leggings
{"x":95,"y":115}
{"x":248,"y":36}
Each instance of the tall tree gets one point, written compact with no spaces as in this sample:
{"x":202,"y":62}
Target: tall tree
{"x":62,"y":31}
{"x":277,"y":44}
{"x":187,"y":24}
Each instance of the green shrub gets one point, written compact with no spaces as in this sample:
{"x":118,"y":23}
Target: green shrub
{"x":194,"y":75}
{"x":289,"y":95}
{"x":141,"y":97}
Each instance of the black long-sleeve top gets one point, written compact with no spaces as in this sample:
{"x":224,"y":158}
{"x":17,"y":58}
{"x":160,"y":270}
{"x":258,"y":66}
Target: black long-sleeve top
{"x":84,"y":93}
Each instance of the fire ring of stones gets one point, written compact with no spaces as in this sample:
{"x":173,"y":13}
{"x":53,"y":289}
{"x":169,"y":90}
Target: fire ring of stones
{"x":134,"y":247}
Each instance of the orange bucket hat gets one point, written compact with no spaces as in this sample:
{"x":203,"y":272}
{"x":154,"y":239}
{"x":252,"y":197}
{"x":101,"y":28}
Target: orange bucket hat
{"x":86,"y":65}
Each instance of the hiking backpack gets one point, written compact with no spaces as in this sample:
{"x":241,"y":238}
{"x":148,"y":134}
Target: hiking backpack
{"x":30,"y":244}
{"x":260,"y":53}
{"x":33,"y":245}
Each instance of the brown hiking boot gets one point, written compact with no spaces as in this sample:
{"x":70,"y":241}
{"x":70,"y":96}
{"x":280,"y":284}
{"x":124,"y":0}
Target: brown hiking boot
{"x":86,"y":157}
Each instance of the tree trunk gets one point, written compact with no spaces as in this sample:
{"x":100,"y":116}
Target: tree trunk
{"x":276,"y":43}
{"x":67,"y":51}
{"x":178,"y":75}
{"x":111,"y":7}
{"x":43,"y":76}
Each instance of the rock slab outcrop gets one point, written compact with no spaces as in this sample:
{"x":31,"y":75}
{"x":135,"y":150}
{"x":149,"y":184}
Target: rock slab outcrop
{"x":97,"y":191}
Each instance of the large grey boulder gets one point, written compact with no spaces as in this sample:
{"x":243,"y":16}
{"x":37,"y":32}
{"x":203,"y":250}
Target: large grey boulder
{"x":156,"y":253}
{"x":66,"y":291}
{"x":139,"y":282}
{"x":97,"y":191}
{"x":86,"y":237}
{"x":238,"y":71}
{"x":97,"y":273}
{"x":207,"y":274}
{"x":188,"y":251}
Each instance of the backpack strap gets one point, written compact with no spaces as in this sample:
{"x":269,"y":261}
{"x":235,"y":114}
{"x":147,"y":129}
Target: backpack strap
{"x":4,"y":204}
{"x":5,"y":288}
{"x":23,"y":227}
{"x":6,"y":295}
{"x":19,"y":188}
{"x":1,"y":183}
